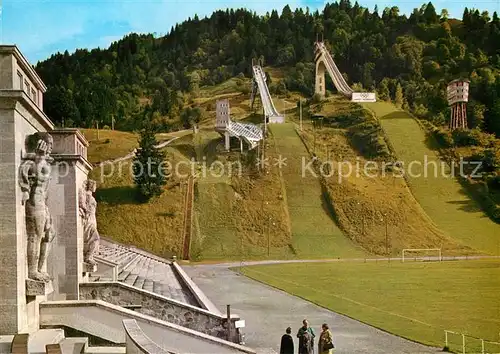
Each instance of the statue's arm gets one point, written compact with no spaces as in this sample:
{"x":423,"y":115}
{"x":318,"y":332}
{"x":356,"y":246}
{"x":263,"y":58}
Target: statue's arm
{"x":82,"y":203}
{"x":24,"y":183}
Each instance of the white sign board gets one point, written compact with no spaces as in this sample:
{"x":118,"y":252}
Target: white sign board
{"x":363,"y":97}
{"x":239,"y":324}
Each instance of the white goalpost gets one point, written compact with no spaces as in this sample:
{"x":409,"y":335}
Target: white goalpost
{"x":421,"y":250}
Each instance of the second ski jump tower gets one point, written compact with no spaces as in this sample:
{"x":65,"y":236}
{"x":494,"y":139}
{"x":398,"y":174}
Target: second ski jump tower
{"x":324,"y":62}
{"x":259,"y":84}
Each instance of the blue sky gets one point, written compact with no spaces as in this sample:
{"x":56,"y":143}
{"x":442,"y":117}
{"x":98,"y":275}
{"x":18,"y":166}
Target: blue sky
{"x":43,"y":27}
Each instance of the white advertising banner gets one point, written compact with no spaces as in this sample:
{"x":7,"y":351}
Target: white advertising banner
{"x":363,"y":97}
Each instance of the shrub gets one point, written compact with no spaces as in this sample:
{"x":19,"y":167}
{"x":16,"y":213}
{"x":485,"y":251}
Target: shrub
{"x":438,"y":119}
{"x":443,"y":137}
{"x":491,"y":160}
{"x":494,"y":182}
{"x":484,"y":139}
{"x":473,"y":137}
{"x":316,"y":98}
{"x":367,"y":138}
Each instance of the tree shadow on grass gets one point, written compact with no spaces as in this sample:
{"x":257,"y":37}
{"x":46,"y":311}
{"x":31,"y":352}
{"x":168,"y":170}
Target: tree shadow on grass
{"x":254,"y":118}
{"x":397,"y":115}
{"x":118,"y":195}
{"x":466,"y":205}
{"x":186,"y":150}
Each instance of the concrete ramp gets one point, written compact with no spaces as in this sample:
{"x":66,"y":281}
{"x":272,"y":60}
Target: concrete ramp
{"x":104,"y":320}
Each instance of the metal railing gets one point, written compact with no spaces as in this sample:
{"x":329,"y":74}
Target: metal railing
{"x":483,"y":343}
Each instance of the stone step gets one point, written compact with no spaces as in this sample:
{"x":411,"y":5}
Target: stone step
{"x":74,"y":345}
{"x":5,"y":343}
{"x":106,"y":350}
{"x":130,"y":280}
{"x":38,"y":340}
{"x":157,"y":287}
{"x":129,"y":266}
{"x":123,"y":275}
{"x":148,"y":285}
{"x":139,"y":282}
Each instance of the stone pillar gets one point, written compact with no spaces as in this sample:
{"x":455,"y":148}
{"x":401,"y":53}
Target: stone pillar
{"x":227,"y":141}
{"x":19,"y":118}
{"x":320,"y":78}
{"x":70,"y":170}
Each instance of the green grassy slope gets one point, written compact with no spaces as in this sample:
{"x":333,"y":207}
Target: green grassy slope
{"x":239,"y":216}
{"x":442,"y":198}
{"x":314,"y":232}
{"x":414,"y":300}
{"x":156,"y":225}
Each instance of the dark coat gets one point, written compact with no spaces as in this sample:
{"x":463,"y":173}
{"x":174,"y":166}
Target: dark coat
{"x":306,"y":343}
{"x":306,"y":349}
{"x":286,"y":346}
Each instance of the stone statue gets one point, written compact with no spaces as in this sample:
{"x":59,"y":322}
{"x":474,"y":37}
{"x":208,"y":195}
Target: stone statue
{"x":34,"y":178}
{"x":88,"y":206}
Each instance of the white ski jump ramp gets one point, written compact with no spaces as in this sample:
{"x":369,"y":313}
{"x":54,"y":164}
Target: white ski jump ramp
{"x":324,"y":61}
{"x":270,"y":111}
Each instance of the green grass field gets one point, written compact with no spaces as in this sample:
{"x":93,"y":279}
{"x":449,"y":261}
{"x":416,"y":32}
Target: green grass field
{"x":110,"y":145}
{"x":314,"y":232}
{"x":442,"y":198}
{"x":416,"y":300}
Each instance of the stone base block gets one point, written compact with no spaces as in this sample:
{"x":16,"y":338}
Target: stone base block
{"x":36,"y":288}
{"x":89,"y":268}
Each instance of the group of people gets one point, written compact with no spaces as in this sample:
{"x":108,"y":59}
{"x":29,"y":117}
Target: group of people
{"x":306,"y":337}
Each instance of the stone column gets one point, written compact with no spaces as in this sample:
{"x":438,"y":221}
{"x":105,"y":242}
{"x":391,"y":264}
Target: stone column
{"x":70,"y":170}
{"x":227,"y":140}
{"x":18,"y":119}
{"x":320,"y":77}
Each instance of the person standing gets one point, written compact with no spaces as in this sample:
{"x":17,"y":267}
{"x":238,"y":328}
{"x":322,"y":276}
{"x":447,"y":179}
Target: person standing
{"x":325,"y":343}
{"x":286,"y":346}
{"x":306,"y":338}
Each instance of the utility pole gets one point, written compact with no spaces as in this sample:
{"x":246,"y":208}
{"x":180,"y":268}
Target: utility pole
{"x":268,"y":236}
{"x":300,"y":109}
{"x":386,"y":237}
{"x":112,"y":122}
{"x":314,"y":127}
{"x":284,"y":109}
{"x":97,"y":130}
{"x":263,"y":148}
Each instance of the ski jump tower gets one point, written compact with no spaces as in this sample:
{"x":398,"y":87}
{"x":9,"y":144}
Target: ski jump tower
{"x":249,"y":133}
{"x":324,"y":62}
{"x":458,"y":96}
{"x":271,"y":114}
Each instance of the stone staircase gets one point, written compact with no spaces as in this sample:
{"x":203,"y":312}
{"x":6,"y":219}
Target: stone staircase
{"x":51,"y":341}
{"x":145,"y":271}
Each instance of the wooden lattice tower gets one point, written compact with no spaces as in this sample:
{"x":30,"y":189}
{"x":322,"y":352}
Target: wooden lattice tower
{"x":458,"y":96}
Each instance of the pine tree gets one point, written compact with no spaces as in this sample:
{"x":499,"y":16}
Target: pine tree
{"x":150,"y":174}
{"x":398,"y":99}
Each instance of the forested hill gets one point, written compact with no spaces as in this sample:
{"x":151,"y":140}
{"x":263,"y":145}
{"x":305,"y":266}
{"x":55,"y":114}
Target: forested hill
{"x":377,"y":49}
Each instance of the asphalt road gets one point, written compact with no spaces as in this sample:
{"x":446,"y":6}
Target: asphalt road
{"x":268,"y":311}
